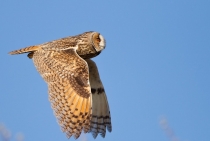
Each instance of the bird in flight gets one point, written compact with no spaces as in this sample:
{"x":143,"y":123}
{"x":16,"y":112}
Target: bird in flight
{"x":76,"y":92}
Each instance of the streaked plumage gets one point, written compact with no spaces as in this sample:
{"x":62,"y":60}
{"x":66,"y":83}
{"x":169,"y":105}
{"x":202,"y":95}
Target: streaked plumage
{"x":76,"y":92}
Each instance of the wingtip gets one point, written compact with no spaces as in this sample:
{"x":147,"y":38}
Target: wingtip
{"x":76,"y":136}
{"x":109,"y":128}
{"x":94,"y":135}
{"x":103,"y":135}
{"x":25,"y":50}
{"x":10,"y":53}
{"x":13,"y":52}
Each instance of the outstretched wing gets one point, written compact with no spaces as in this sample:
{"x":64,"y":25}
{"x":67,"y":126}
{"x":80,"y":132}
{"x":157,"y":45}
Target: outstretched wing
{"x":101,"y":118}
{"x":67,"y":77}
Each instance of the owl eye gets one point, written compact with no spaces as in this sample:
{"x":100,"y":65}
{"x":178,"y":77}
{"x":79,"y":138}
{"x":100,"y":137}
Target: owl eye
{"x":98,"y":39}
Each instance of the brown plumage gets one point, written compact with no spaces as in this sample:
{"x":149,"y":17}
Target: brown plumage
{"x":76,"y":92}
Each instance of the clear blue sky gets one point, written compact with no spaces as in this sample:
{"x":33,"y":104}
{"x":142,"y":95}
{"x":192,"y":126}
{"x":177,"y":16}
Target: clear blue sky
{"x":156,"y":63}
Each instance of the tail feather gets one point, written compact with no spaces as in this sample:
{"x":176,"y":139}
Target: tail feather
{"x":24,"y":50}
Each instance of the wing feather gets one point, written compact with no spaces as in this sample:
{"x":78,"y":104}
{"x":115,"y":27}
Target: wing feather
{"x":24,"y":50}
{"x":67,"y":76}
{"x":101,"y":118}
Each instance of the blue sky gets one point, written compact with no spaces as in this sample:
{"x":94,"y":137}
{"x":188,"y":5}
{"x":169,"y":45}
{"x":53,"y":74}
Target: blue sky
{"x":156,"y":64}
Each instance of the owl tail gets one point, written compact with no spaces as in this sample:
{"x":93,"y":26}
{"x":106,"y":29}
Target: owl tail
{"x":101,"y":118}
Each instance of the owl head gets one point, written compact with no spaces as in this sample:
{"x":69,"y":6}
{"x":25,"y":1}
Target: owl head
{"x":90,"y":44}
{"x":98,"y":41}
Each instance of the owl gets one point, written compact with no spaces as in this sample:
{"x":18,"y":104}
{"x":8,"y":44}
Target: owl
{"x":76,"y":93}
